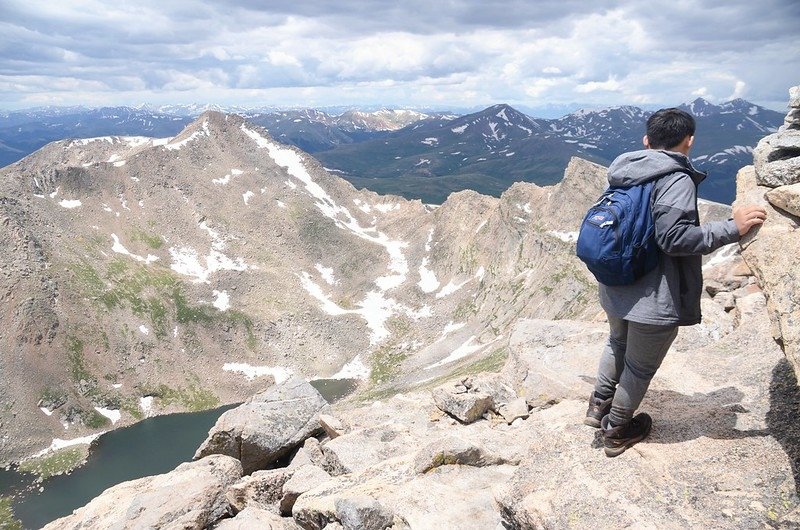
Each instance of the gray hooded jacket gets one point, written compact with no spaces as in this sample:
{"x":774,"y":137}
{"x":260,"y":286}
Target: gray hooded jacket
{"x":670,"y":293}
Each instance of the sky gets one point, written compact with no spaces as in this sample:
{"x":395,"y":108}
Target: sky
{"x":436,"y":54}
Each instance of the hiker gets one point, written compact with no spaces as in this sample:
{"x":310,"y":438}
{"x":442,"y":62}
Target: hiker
{"x":644,"y":316}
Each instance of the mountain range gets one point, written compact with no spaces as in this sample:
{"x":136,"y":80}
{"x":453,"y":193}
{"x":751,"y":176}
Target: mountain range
{"x":429,"y":155}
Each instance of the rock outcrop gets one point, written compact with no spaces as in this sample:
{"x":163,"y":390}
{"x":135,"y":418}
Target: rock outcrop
{"x":773,"y":250}
{"x":191,"y":496}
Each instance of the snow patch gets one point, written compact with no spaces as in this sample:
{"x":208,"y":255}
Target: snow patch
{"x":281,"y":204}
{"x":186,"y":261}
{"x":569,"y":237}
{"x":144,"y":329}
{"x":451,"y":287}
{"x":432,"y":141}
{"x":375,"y":308}
{"x":46,"y":411}
{"x":224,"y":180}
{"x":355,"y":369}
{"x":246,"y":196}
{"x":467,"y":348}
{"x":146,"y":404}
{"x":120,"y":249}
{"x":326,"y":273}
{"x":461,"y":129}
{"x":451,"y":327}
{"x":221,"y":300}
{"x":279,"y":373}
{"x":174,"y":146}
{"x":427,"y":278}
{"x":112,"y":414}
{"x":69,"y":203}
{"x":58,"y":443}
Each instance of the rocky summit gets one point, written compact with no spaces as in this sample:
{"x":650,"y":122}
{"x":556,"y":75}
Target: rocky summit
{"x":474,"y":327}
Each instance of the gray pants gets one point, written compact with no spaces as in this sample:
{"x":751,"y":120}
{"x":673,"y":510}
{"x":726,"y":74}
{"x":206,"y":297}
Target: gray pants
{"x":629,"y":361}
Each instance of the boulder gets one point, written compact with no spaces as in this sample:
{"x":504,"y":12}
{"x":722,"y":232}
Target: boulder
{"x":190,"y":496}
{"x":252,"y":518}
{"x":461,"y":403}
{"x":262,"y":489}
{"x":787,"y":198}
{"x":453,"y":451}
{"x":772,"y":251}
{"x":267,"y":426}
{"x":776,"y":159}
{"x":363,"y":513}
{"x":303,"y":479}
{"x":794,"y":97}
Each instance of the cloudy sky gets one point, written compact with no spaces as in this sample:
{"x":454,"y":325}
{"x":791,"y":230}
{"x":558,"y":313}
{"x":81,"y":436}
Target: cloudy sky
{"x":411,"y":53}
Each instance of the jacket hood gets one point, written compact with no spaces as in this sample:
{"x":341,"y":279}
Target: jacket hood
{"x":636,"y":167}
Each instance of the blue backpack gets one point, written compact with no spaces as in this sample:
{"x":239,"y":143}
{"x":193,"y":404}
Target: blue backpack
{"x":617,"y":237}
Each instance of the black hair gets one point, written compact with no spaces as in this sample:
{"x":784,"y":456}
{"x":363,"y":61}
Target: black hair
{"x":667,"y":128}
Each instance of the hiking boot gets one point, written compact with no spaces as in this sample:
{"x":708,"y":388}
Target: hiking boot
{"x":597,"y":409}
{"x":617,"y":439}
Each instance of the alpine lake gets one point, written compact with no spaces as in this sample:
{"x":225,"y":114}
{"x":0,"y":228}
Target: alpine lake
{"x":150,"y":447}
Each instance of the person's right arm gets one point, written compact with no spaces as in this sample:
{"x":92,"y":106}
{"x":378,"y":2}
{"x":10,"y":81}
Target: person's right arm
{"x":676,"y":220}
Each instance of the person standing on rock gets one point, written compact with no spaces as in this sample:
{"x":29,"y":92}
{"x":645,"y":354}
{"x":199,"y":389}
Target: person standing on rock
{"x":644,"y":317}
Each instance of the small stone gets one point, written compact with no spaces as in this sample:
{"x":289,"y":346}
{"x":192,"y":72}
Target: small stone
{"x":332,"y":426}
{"x":727,"y":512}
{"x":363,"y":513}
{"x":515,"y":410}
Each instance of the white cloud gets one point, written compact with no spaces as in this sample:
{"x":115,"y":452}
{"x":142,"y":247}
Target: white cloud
{"x":366,"y":52}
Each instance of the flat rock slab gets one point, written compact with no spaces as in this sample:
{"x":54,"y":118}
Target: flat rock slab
{"x":268,"y":426}
{"x":786,"y":198}
{"x":257,"y":519}
{"x":192,"y":496}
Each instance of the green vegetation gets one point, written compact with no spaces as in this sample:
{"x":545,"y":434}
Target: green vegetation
{"x":151,"y":240}
{"x":193,"y":398}
{"x":7,"y":520}
{"x":151,"y":292}
{"x":55,"y":463}
{"x":77,"y":364}
{"x":465,"y":309}
{"x":385,"y":363}
{"x":131,"y":406}
{"x":468,"y":260}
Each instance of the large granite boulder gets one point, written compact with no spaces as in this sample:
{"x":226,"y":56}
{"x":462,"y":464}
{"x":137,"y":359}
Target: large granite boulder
{"x":772,"y":251}
{"x":776,"y":159}
{"x":267,"y":426}
{"x":192,"y":496}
